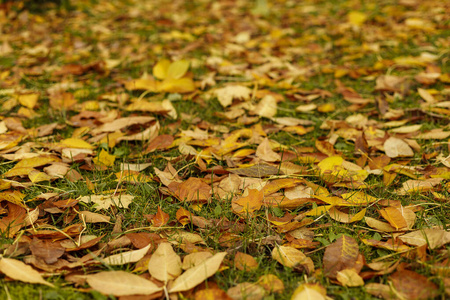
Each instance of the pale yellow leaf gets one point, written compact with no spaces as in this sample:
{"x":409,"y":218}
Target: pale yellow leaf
{"x":288,"y":256}
{"x":105,"y":201}
{"x":395,"y":147}
{"x":18,"y":270}
{"x":434,"y":238}
{"x":195,"y":258}
{"x":91,"y":217}
{"x":227,"y":94}
{"x":120,"y":283}
{"x":265,"y":152}
{"x":164,"y":264}
{"x":349,"y":277}
{"x":126,"y":257}
{"x":267,"y":107}
{"x":196,"y":275}
{"x":309,"y":291}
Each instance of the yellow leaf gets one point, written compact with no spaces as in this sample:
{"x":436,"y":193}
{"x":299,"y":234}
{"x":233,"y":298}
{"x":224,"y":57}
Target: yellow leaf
{"x":356,"y":18}
{"x":358,"y":198}
{"x":181,"y":85}
{"x":358,"y":216}
{"x":37,"y":161}
{"x":37,"y":176}
{"x":28,"y":100}
{"x":104,"y":159}
{"x":161,"y":69}
{"x":326,"y":108}
{"x":76,"y":143}
{"x":141,"y":84}
{"x":318,"y":211}
{"x":289,"y":256}
{"x":15,"y":197}
{"x":178,"y":69}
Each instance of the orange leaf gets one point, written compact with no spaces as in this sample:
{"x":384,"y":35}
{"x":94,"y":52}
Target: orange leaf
{"x":394,"y":217}
{"x":161,"y":218}
{"x":244,"y":261}
{"x":250,"y":203}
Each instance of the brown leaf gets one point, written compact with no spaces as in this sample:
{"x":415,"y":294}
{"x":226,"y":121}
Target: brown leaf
{"x":47,"y":250}
{"x":340,"y":255}
{"x":413,"y":285}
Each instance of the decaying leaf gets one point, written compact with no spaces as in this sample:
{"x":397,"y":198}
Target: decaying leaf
{"x":340,"y":255}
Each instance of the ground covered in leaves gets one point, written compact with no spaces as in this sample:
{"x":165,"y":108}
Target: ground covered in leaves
{"x":225,"y":149}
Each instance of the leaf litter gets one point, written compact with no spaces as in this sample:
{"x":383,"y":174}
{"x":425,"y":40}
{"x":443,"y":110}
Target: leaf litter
{"x":186,"y":145}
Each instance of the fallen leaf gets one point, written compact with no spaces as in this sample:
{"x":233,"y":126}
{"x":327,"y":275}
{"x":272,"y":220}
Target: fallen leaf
{"x":246,"y":290}
{"x":18,"y":270}
{"x":349,"y":277}
{"x":292,"y":258}
{"x":120,"y":283}
{"x":340,"y":255}
{"x":243,"y":261}
{"x":413,"y":285}
{"x":165,"y":264}
{"x":309,"y":291}
{"x":126,"y":257}
{"x":196,"y":275}
{"x":395,"y":147}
